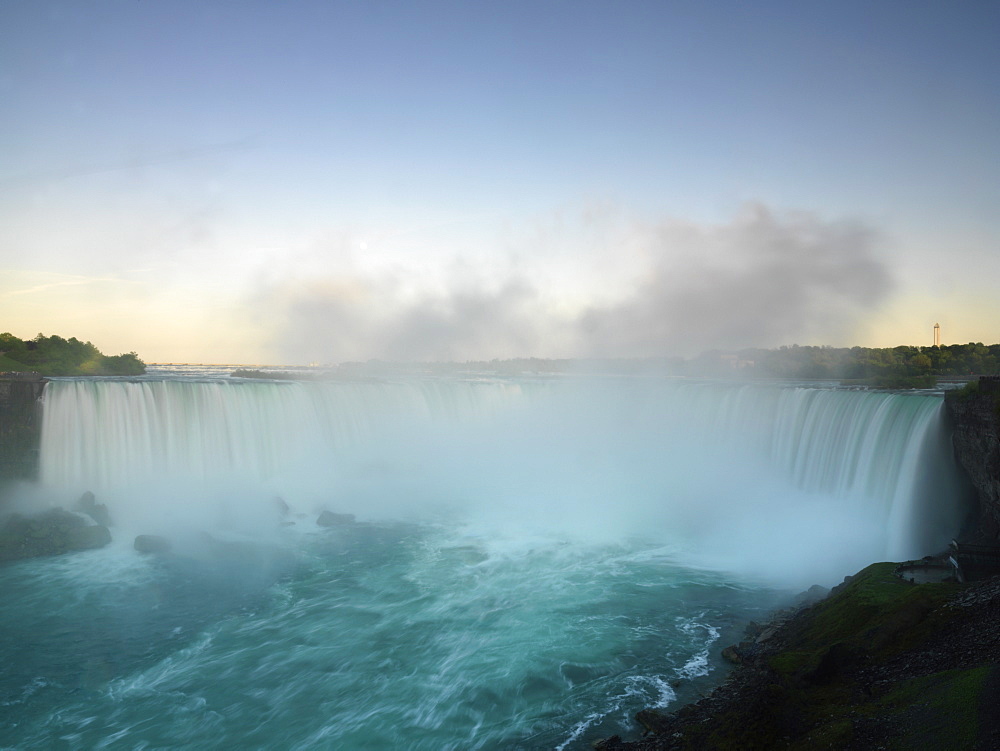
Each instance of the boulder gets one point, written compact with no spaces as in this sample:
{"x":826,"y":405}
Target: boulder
{"x":330,"y":519}
{"x":49,"y":533}
{"x":732,"y":654}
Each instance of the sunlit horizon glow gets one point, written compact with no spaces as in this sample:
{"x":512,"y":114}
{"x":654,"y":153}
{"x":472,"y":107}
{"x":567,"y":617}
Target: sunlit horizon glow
{"x":315,"y":182}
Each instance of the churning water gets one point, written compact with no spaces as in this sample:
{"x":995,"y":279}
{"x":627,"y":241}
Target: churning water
{"x":533,"y":560}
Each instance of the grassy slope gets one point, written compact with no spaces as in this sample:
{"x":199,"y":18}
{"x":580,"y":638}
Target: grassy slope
{"x":7,"y":364}
{"x":846,"y":670}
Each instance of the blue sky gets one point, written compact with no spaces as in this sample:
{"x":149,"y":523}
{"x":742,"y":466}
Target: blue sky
{"x":328,"y":181}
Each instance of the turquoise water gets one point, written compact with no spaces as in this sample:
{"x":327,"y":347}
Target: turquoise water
{"x":370,"y":636}
{"x":533,"y":560}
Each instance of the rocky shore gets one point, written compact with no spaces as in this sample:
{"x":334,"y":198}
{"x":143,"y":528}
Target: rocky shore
{"x":882,"y":663}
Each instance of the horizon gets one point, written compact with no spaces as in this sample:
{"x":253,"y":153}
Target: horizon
{"x":444,"y":181}
{"x":701,"y":354}
{"x":738,"y":350}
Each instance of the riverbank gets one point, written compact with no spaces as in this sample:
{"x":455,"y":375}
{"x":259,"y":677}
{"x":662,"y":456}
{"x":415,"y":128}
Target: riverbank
{"x":881,"y":663}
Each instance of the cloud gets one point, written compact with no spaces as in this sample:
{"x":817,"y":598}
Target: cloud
{"x":763,"y":279}
{"x":342,"y":319}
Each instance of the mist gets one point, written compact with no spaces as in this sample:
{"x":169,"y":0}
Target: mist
{"x":522,"y":463}
{"x":763,"y":279}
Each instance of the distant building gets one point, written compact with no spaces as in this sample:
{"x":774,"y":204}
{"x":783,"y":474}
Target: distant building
{"x":937,"y":335}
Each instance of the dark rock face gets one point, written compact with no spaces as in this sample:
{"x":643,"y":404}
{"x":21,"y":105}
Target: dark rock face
{"x":975,"y":421}
{"x":19,"y":425}
{"x":50,"y":533}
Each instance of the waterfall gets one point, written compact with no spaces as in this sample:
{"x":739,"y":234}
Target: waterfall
{"x":109,"y":433}
{"x":534,"y":560}
{"x":726,"y":473}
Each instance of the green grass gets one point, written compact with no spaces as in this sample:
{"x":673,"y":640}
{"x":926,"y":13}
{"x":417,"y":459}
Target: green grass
{"x":876,"y":612}
{"x":7,"y":364}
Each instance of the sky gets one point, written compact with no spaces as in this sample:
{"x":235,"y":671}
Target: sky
{"x":297,"y":182}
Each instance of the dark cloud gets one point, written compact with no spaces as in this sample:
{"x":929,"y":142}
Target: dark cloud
{"x":762,"y":280}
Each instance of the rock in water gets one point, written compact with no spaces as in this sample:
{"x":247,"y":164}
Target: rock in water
{"x":151,"y":544}
{"x":97,"y":511}
{"x":49,"y":533}
{"x":88,"y":537}
{"x":330,"y":519}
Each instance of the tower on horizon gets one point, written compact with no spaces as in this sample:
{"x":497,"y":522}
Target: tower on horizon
{"x":937,"y":335}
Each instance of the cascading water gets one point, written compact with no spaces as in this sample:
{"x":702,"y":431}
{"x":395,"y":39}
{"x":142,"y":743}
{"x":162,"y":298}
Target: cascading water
{"x":534,"y":560}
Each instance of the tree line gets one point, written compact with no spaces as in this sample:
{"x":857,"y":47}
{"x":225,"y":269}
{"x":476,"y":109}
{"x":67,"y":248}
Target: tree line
{"x":55,"y":356}
{"x":880,"y":366}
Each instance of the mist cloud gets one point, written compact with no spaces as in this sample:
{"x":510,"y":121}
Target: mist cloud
{"x":342,"y":319}
{"x":763,"y":279}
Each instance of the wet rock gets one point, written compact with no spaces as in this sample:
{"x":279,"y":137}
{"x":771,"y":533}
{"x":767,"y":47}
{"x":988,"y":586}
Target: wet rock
{"x":97,"y":511}
{"x":732,"y":654}
{"x":607,"y":744}
{"x":49,"y":533}
{"x":330,"y":519}
{"x":767,"y":633}
{"x":653,"y":720}
{"x":738,"y":654}
{"x":151,"y":544}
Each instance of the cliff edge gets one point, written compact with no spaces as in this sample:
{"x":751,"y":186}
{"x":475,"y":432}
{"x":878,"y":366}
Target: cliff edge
{"x":19,"y":425}
{"x":974,"y":412}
